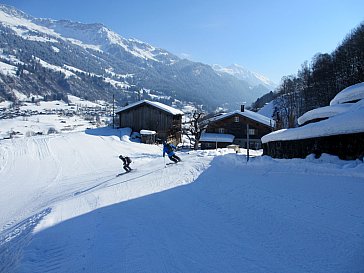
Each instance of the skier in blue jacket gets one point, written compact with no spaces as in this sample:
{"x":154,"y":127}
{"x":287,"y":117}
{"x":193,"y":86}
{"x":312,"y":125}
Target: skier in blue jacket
{"x":169,"y":150}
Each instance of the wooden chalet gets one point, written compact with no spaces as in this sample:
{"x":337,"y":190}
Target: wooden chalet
{"x":235,"y":128}
{"x":165,"y":120}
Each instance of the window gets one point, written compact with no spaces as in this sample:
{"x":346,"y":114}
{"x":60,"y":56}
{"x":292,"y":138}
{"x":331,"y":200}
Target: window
{"x":221,"y":130}
{"x":236,"y":119}
{"x":251,"y":132}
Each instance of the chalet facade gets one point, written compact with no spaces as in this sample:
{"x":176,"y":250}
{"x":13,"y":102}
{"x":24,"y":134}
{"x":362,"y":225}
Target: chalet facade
{"x":238,"y":127}
{"x":337,"y":129}
{"x":147,"y":115}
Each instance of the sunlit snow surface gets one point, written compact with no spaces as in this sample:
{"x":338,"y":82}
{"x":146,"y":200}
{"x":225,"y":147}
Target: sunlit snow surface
{"x":64,"y":209}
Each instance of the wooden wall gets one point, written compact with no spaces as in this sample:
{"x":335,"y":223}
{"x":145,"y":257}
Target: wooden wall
{"x":349,"y":146}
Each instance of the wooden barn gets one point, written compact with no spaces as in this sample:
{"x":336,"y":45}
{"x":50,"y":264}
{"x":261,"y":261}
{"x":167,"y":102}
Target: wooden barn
{"x":337,"y":129}
{"x":165,"y":120}
{"x":243,"y":125}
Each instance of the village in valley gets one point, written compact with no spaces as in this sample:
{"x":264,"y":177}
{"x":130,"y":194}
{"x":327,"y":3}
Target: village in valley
{"x":152,"y":122}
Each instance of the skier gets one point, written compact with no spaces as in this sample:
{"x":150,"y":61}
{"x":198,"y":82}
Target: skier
{"x":126,"y":161}
{"x":169,"y":150}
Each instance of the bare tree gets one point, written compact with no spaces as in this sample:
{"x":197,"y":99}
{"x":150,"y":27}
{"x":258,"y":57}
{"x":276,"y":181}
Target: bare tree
{"x":193,"y":128}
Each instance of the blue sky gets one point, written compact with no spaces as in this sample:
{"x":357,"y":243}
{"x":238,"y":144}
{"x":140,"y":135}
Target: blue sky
{"x":270,"y":37}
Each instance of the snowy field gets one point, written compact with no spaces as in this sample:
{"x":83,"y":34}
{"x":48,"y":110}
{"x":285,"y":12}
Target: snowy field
{"x":44,"y":124}
{"x":64,"y":210}
{"x":44,"y":118}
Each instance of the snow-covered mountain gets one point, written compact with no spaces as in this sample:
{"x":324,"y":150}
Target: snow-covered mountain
{"x":53,"y":58}
{"x":100,"y":37}
{"x":244,"y":74}
{"x":93,"y":36}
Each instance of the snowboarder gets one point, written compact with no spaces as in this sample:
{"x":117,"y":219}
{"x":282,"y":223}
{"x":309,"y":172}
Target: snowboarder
{"x":169,"y":150}
{"x":126,"y":161}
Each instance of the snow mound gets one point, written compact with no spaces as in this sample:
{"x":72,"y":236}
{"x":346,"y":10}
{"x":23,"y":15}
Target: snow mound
{"x":351,"y":93}
{"x":324,"y":112}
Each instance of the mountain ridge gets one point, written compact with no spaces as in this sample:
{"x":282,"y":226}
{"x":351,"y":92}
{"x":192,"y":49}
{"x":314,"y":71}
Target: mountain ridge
{"x":244,"y":74}
{"x":104,"y":63}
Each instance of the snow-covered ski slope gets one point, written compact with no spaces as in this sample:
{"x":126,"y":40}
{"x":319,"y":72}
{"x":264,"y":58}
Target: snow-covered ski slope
{"x":64,"y":210}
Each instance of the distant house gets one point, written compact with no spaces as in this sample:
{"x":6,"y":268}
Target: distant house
{"x":147,"y":115}
{"x":235,"y":128}
{"x":337,"y":129}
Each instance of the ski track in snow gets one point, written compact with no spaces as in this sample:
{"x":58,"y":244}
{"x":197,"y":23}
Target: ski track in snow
{"x":48,"y":160}
{"x":70,"y":213}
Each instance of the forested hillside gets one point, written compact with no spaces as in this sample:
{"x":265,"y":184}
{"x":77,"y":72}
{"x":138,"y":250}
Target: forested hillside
{"x":316,"y":83}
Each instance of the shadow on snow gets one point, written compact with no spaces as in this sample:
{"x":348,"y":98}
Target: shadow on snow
{"x":223,"y":222}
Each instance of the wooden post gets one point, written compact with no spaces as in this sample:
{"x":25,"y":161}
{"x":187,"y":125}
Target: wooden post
{"x":247,"y":142}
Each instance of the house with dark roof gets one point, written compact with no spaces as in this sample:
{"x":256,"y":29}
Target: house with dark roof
{"x":337,"y":129}
{"x":237,"y":127}
{"x":146,"y":115}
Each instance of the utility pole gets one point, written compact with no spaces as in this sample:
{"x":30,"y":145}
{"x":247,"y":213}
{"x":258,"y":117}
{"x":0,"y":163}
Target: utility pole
{"x":247,"y":142}
{"x":247,"y":133}
{"x":113,"y":111}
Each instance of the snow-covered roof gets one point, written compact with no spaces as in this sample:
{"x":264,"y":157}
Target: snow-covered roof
{"x":351,"y":93}
{"x":159,"y":105}
{"x":267,"y":110}
{"x":248,"y":114}
{"x":349,"y":122}
{"x":211,"y":137}
{"x":147,"y":132}
{"x":324,"y":112}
